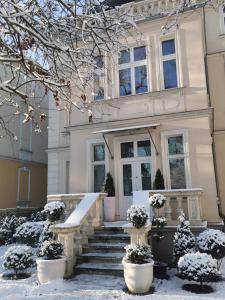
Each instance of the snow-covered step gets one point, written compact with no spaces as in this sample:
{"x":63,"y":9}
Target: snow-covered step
{"x":99,"y":268}
{"x":112,"y":238}
{"x":109,"y":230}
{"x":104,"y":247}
{"x":101,"y":257}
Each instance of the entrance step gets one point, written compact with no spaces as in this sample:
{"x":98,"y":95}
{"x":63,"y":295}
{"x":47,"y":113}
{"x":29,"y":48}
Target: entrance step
{"x":104,"y":252}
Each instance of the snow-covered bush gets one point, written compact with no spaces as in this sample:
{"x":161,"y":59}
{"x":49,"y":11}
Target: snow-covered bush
{"x":137,"y":215}
{"x":184,"y":240}
{"x":199,"y":267}
{"x":38,"y":216}
{"x":51,"y":249}
{"x":54,"y":210}
{"x":159,"y":221}
{"x":138,"y":254}
{"x":46,"y":234}
{"x":29,"y":233}
{"x":157,"y":200}
{"x":8,"y":227}
{"x":212,"y":241}
{"x":18,"y":258}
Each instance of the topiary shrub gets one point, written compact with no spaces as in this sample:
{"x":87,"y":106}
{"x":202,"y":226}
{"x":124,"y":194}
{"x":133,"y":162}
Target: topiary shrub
{"x":39,"y":216}
{"x":18,"y":258}
{"x":184,"y":240}
{"x":8,"y":227}
{"x":158,"y":183}
{"x":157,"y":200}
{"x":54,"y":210}
{"x":29,"y":233}
{"x":46,"y":234}
{"x":199,"y":267}
{"x":138,"y":254}
{"x":108,"y":186}
{"x":159,"y":221}
{"x":51,"y":249}
{"x":137,"y":215}
{"x":212,"y":241}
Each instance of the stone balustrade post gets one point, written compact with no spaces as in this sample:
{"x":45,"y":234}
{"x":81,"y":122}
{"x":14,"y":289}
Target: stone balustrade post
{"x":138,"y":235}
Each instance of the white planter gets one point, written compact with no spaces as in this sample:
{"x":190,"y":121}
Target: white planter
{"x":138,"y":278}
{"x":48,"y":270}
{"x":109,"y":209}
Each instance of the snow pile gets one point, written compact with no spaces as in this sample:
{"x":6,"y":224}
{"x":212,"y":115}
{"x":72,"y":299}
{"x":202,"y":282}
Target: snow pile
{"x":29,"y":232}
{"x":157,"y":200}
{"x":138,"y":254}
{"x":54,"y":210}
{"x":199,"y":267}
{"x":212,"y":241}
{"x":18,"y":258}
{"x":137,"y":215}
{"x":184,"y":240}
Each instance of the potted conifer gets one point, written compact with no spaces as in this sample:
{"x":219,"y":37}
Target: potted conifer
{"x":109,"y":201}
{"x":158,"y":183}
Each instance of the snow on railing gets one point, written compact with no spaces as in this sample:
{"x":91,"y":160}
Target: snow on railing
{"x":79,"y":225}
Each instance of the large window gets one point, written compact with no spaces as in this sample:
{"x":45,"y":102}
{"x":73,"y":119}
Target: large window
{"x":99,"y":79}
{"x":98,"y":162}
{"x":133,"y":78}
{"x":169,"y":64}
{"x":176,"y":161}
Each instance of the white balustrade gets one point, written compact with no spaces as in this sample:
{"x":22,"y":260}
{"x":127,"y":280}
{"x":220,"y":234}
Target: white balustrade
{"x":85,"y":213}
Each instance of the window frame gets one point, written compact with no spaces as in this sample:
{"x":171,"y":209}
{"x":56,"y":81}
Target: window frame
{"x":132,"y":65}
{"x":169,"y":57}
{"x":166,"y":156}
{"x":104,"y":80}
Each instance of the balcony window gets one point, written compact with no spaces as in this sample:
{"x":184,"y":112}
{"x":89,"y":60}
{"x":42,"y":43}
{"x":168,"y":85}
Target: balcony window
{"x":169,"y":64}
{"x":133,"y":77}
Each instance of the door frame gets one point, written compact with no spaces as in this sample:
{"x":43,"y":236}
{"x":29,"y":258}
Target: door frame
{"x":118,"y":162}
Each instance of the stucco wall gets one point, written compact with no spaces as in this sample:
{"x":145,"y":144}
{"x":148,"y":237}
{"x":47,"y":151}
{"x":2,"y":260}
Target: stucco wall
{"x":9,"y":183}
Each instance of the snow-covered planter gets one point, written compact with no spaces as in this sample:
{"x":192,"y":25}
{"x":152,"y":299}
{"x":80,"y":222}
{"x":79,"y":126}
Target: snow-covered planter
{"x":157,"y":200}
{"x":54,"y":210}
{"x":18,"y":259}
{"x":29,"y":233}
{"x":137,"y":215}
{"x":52,"y":266}
{"x":184,"y":240}
{"x":199,"y":267}
{"x":138,"y":268}
{"x":212,"y":241}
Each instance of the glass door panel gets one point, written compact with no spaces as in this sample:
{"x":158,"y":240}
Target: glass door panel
{"x":146,"y":176}
{"x":127,"y":180}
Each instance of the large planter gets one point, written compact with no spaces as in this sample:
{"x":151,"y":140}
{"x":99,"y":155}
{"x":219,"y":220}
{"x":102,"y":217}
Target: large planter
{"x":138,"y":278}
{"x":48,"y":270}
{"x":109,"y":209}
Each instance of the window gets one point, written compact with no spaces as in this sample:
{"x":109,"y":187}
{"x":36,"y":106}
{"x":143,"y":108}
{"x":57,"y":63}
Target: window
{"x":176,"y":160}
{"x":169,"y":64}
{"x":133,"y":77}
{"x":222,"y":19}
{"x":99,"y":79}
{"x":98,"y":162}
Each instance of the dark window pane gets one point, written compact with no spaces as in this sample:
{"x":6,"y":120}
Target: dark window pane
{"x":170,"y":73}
{"x":127,"y":180}
{"x":141,"y":85}
{"x":146,"y":176}
{"x":139,"y":53}
{"x":99,"y":177}
{"x":99,"y":62}
{"x":143,"y":148}
{"x":175,"y":145}
{"x":125,"y":82}
{"x":99,"y":152}
{"x":124,"y":57}
{"x":177,"y":173}
{"x":224,"y":9}
{"x":127,"y":150}
{"x":168,"y":47}
{"x":98,"y":88}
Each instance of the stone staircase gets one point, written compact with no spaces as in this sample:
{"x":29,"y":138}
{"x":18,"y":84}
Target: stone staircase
{"x":103,"y":253}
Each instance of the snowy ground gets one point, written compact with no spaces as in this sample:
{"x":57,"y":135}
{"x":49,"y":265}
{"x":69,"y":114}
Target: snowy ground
{"x":87,"y":287}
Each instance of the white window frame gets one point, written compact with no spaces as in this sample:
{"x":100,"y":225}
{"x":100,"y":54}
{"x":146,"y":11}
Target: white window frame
{"x":163,"y":58}
{"x":131,"y":65}
{"x":165,"y":156}
{"x":91,"y":163}
{"x":104,"y":79}
{"x":221,"y":17}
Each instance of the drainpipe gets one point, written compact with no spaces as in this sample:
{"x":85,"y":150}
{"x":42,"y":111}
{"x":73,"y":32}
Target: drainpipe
{"x":212,"y":121}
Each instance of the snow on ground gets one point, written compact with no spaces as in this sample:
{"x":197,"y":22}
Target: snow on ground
{"x":89,"y":287}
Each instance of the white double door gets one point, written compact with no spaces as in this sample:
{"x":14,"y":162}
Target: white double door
{"x":136,"y":176}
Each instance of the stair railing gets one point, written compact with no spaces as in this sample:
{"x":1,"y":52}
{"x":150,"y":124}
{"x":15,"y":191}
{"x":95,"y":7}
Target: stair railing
{"x":80,"y":224}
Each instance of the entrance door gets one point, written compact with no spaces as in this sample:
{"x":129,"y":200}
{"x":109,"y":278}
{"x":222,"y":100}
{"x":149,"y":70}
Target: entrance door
{"x":136,"y":171}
